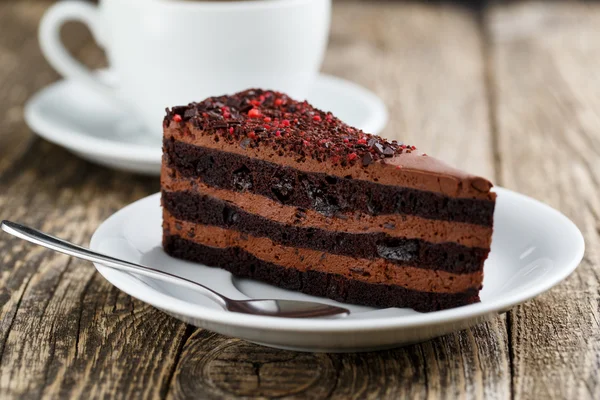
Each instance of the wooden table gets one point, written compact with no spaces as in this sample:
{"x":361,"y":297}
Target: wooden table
{"x":512,"y":92}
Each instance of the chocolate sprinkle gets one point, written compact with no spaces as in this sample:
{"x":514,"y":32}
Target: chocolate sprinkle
{"x":289,"y":127}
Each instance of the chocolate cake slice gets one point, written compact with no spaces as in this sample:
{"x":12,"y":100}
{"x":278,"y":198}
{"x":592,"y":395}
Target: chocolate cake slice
{"x":273,"y":189}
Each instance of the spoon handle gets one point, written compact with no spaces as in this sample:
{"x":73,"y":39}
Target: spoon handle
{"x":34,"y":236}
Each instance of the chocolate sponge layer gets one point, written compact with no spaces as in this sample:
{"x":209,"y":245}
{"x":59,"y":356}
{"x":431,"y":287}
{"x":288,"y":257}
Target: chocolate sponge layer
{"x":207,"y":210}
{"x":315,"y":283}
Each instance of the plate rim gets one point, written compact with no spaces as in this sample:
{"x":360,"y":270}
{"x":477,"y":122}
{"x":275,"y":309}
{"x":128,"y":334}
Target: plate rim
{"x":79,"y":142}
{"x":457,"y":314}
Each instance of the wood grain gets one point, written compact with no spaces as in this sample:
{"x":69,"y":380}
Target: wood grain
{"x":545,"y":57}
{"x":64,"y":331}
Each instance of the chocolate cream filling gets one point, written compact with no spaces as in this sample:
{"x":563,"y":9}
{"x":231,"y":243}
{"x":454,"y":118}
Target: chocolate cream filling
{"x":207,"y":210}
{"x":376,"y":271}
{"x":408,"y":170}
{"x":315,"y":283}
{"x":394,"y":225}
{"x":327,"y":194}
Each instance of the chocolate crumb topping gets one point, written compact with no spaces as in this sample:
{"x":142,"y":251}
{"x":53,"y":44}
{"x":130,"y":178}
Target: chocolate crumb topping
{"x":257,"y":117}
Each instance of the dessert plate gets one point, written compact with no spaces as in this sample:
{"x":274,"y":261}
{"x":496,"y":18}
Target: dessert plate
{"x":534,"y":248}
{"x":81,"y":120}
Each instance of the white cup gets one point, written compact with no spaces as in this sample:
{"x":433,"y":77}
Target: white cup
{"x":172,"y":52}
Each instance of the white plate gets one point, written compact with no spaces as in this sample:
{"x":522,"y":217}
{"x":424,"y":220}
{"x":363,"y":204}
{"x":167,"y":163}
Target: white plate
{"x":534,"y":248}
{"x":71,"y":115}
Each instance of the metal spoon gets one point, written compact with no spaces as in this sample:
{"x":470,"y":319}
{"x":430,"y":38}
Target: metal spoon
{"x":268,"y":307}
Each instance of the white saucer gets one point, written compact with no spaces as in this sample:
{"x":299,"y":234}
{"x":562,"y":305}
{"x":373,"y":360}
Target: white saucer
{"x":534,"y":248}
{"x":79,"y":119}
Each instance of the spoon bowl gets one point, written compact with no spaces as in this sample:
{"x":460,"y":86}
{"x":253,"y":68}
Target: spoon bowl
{"x":286,"y":308}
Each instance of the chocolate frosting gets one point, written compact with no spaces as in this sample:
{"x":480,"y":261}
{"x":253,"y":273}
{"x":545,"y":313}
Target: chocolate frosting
{"x":271,"y":126}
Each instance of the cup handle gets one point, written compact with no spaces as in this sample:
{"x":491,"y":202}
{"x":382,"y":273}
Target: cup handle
{"x":53,"y":49}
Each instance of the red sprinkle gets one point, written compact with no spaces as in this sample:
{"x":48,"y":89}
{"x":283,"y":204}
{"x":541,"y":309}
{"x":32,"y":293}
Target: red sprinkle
{"x":225,"y":112}
{"x":346,"y":140}
{"x":267,"y":119}
{"x":254,"y":113}
{"x":231,"y":130}
{"x":252,"y":135}
{"x":285,"y":122}
{"x":278,"y":134}
{"x":398,"y":167}
{"x":267,"y":127}
{"x":361,"y":141}
{"x":305,"y":142}
{"x":278,"y":102}
{"x":317,"y":118}
{"x":413,"y":147}
{"x":352,"y":156}
{"x":177,"y":118}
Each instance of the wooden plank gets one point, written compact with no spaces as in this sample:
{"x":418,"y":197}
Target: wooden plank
{"x":64,"y":331}
{"x":426,"y":62}
{"x":545,"y":58}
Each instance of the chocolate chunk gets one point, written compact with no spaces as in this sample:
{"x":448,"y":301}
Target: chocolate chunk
{"x":388,"y":152}
{"x":245,"y":143}
{"x":379,"y":148}
{"x":389,"y":225}
{"x":218,"y":124}
{"x":367,"y":159}
{"x":372,"y":142}
{"x":246,"y":107}
{"x":189,"y":113}
{"x":179,"y":110}
{"x":234,"y":102}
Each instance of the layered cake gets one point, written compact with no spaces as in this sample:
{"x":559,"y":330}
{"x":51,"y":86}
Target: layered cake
{"x":276,"y":190}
